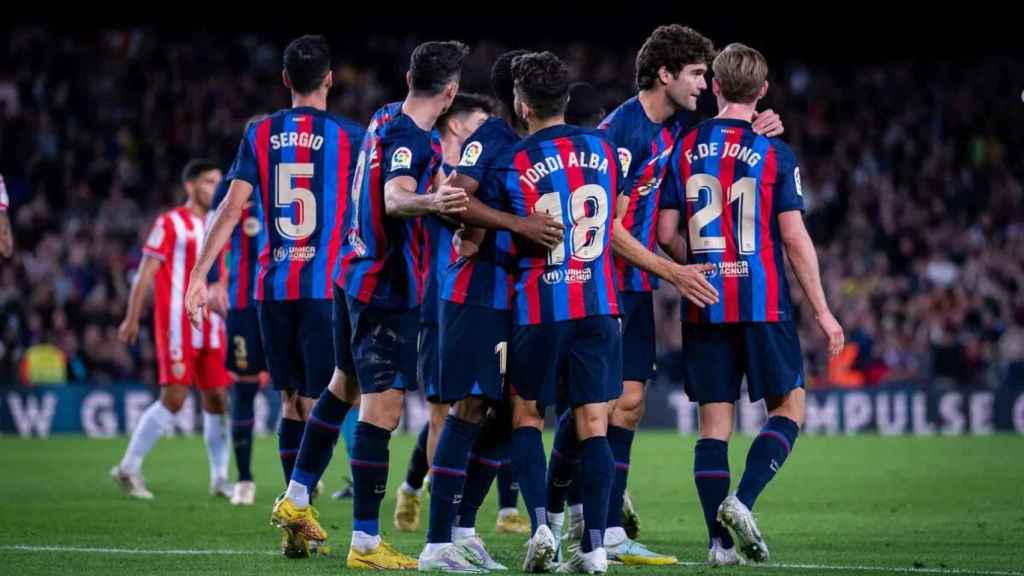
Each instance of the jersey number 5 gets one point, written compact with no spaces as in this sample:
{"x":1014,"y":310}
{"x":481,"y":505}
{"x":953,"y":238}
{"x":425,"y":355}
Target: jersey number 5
{"x":302,"y":223}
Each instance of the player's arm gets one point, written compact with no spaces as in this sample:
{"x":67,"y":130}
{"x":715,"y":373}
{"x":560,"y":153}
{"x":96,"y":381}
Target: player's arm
{"x":402,"y":201}
{"x":538,"y":227}
{"x":669,"y":238}
{"x":6,"y":235}
{"x":224,"y":221}
{"x":688,"y":280}
{"x":804,"y":258}
{"x":128,"y":331}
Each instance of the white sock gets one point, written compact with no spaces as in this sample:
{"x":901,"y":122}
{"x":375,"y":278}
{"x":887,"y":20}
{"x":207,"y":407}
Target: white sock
{"x":298,"y":494}
{"x":576,"y":513}
{"x":215,"y":434}
{"x":363,"y":542}
{"x":459,"y":533}
{"x":506,"y":512}
{"x":431,"y":547}
{"x":151,"y":426}
{"x":614,"y":536}
{"x":555,"y":522}
{"x":410,"y":490}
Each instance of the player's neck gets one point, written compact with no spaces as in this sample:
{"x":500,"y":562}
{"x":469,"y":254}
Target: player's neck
{"x":423,"y":111}
{"x":195,"y":208}
{"x":734,"y":111}
{"x":316,"y":100}
{"x":451,"y":150}
{"x":538,"y":125}
{"x":657,"y":105}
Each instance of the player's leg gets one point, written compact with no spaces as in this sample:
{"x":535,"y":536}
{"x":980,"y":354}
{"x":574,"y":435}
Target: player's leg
{"x":508,"y":520}
{"x":483,"y":467}
{"x":278,"y":334}
{"x":536,"y":356}
{"x":775,"y":373}
{"x":154,"y":421}
{"x":384,"y":350}
{"x":408,"y":496}
{"x":594,"y":378}
{"x":215,"y":435}
{"x":245,"y":362}
{"x":563,"y":472}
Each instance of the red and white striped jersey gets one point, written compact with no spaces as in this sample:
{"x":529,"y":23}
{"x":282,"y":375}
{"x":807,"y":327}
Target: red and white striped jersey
{"x":4,"y":201}
{"x":175,"y":240}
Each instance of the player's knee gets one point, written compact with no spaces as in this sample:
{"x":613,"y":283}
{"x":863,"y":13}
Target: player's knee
{"x":629,"y":409}
{"x":173,"y":398}
{"x":525,"y":414}
{"x":290,"y":406}
{"x":470,"y":409}
{"x":215,"y":401}
{"x":344,"y":387}
{"x":382,"y":410}
{"x":791,"y":406}
{"x":591,"y":420}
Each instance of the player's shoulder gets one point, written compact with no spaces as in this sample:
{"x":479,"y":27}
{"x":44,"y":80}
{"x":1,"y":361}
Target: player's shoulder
{"x":623,"y":115}
{"x":350,"y":127}
{"x":494,"y":129}
{"x":783,"y":153}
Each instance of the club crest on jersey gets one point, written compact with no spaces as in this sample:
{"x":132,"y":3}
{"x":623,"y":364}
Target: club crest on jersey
{"x":178,"y":369}
{"x":471,"y":154}
{"x":401,"y":159}
{"x":625,"y":159}
{"x":796,"y":180}
{"x":251,"y":226}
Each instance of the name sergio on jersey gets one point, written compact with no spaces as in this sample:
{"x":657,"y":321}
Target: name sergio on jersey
{"x":551,"y":164}
{"x":300,"y":139}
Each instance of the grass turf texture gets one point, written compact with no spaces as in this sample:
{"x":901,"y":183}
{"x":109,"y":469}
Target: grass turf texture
{"x":935,"y":504}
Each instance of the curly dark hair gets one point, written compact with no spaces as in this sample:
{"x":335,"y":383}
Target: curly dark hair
{"x":672,"y":46}
{"x":502,"y":83}
{"x":307,"y":60}
{"x":542,"y":80}
{"x":434,"y":64}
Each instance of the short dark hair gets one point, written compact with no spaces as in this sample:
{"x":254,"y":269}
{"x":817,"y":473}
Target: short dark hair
{"x":542,"y":80}
{"x":196,"y":167}
{"x":672,"y":46}
{"x":463,"y":103}
{"x":307,"y":60}
{"x":434,"y":64}
{"x":502,"y":83}
{"x":585,"y":106}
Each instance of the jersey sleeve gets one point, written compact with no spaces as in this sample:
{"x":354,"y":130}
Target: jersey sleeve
{"x":670,"y":188}
{"x":160,"y":242}
{"x":481,"y":150}
{"x":244,"y":167}
{"x":788,"y":193}
{"x":407,"y":152}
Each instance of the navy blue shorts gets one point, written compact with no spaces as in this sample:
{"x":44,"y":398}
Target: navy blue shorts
{"x":474,"y":348}
{"x":716,"y":357}
{"x":342,"y":334}
{"x":428,"y":360}
{"x":297,"y":339}
{"x":245,"y":355}
{"x":638,"y":344}
{"x":583,"y":356}
{"x":384,"y":346}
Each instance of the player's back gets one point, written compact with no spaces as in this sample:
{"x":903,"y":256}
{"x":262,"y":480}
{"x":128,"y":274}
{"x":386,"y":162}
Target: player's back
{"x":239,"y":264}
{"x":383,"y":255}
{"x":730,"y":185}
{"x":572,"y":174}
{"x":302,"y":161}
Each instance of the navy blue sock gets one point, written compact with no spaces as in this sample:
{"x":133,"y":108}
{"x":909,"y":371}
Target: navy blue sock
{"x":289,"y":437}
{"x":418,"y":465}
{"x":508,"y":488}
{"x":369,"y":476}
{"x":711,"y":475}
{"x":564,"y":463}
{"x":449,"y":476}
{"x":243,"y":417}
{"x":483,"y":467}
{"x":528,"y":460}
{"x":621,"y":442}
{"x":598,"y":472}
{"x":318,"y":440}
{"x":766,"y":456}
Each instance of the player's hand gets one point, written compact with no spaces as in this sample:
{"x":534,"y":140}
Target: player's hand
{"x":691,"y":283}
{"x":467,"y":242}
{"x":128,"y":331}
{"x":449,"y":199}
{"x":768,"y":123}
{"x":6,"y":236}
{"x":833,"y":331}
{"x":196,"y":301}
{"x":218,"y":299}
{"x":542,"y":229}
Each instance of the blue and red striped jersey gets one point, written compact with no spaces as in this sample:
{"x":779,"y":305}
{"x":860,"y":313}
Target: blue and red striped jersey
{"x":488,"y":277}
{"x":382,"y":258}
{"x":644,"y":148}
{"x":730,"y":185}
{"x":438,"y":255}
{"x":300,"y":162}
{"x":239,"y":263}
{"x":572,"y":174}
